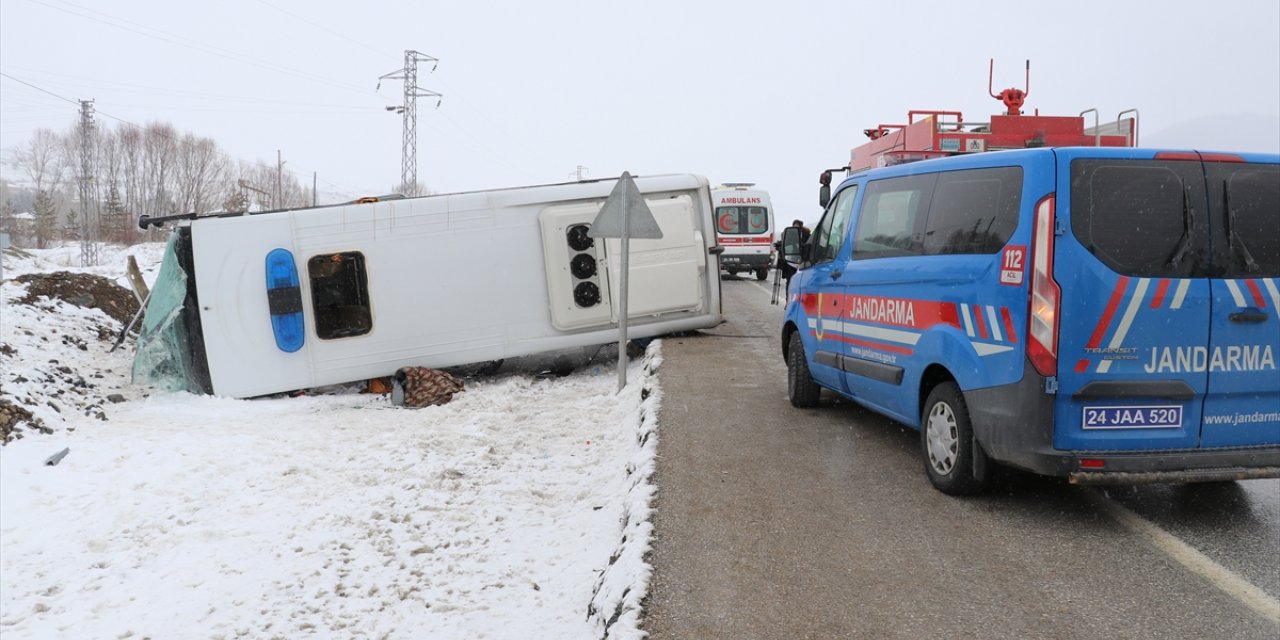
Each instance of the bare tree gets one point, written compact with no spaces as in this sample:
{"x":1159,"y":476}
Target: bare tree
{"x":41,"y":159}
{"x":201,"y":174}
{"x":6,"y":215}
{"x":129,"y":141}
{"x":419,"y":188}
{"x":152,"y":170}
{"x":115,"y":224}
{"x":159,"y":147}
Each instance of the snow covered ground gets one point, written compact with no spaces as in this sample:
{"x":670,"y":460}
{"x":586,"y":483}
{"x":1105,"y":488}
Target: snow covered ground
{"x":519,"y":510}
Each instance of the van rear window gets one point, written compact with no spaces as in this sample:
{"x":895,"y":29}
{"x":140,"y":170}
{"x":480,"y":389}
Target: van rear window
{"x":1249,"y":195}
{"x":1140,"y":217}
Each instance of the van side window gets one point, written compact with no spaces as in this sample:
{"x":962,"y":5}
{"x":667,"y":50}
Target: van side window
{"x":1251,"y":192}
{"x":893,"y":212}
{"x":834,"y":227}
{"x":973,"y":211}
{"x":1132,"y":215}
{"x":340,"y":295}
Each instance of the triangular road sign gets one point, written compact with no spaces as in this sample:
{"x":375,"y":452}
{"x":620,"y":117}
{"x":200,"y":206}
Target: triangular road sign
{"x":639,"y":219}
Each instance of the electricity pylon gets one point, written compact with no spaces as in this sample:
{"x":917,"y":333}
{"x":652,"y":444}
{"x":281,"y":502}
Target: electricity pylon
{"x":88,"y":221}
{"x":409,"y":144}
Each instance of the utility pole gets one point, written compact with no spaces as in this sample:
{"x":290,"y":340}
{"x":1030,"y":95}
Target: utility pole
{"x":579,"y":173}
{"x":409,"y":142}
{"x":88,"y":226}
{"x":279,"y":200}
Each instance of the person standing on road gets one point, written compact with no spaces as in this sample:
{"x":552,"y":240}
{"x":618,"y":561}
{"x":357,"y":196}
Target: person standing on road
{"x":786,"y":269}
{"x":804,"y":231}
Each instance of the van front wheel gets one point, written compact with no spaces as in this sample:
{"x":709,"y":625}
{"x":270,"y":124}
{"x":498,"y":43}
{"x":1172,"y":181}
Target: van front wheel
{"x":801,"y":389}
{"x":762,"y":274}
{"x":946,"y":442}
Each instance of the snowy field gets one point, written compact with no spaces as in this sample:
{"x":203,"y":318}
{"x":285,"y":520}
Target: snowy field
{"x":519,"y":510}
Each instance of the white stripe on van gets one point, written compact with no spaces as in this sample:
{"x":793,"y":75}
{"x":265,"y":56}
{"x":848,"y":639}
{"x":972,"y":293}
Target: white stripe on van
{"x":986,"y":349}
{"x":968,"y":321}
{"x":1127,"y":321}
{"x":1183,"y":285}
{"x":1235,"y":292}
{"x":995,"y":324}
{"x":1275,"y":295}
{"x":881,"y":333}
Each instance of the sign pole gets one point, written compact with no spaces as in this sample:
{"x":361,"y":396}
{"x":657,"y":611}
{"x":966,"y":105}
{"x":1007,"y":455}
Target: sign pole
{"x":624,"y":207}
{"x":622,"y":302}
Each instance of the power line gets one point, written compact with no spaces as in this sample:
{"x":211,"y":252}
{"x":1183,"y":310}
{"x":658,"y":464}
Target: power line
{"x":99,"y":83}
{"x":154,"y":131}
{"x":119,"y":23}
{"x":42,"y":90}
{"x":330,"y":31}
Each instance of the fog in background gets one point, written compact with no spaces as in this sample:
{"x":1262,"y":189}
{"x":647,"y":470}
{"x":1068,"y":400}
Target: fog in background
{"x":764,"y":92}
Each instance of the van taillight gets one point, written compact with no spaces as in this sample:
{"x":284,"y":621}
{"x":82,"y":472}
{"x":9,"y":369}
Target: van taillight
{"x":1046,"y":297}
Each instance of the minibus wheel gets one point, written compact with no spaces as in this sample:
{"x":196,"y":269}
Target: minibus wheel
{"x":801,"y":389}
{"x":946,"y":441}
{"x":762,"y":274}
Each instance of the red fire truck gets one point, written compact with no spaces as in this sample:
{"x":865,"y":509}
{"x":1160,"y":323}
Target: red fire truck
{"x":934,"y":134}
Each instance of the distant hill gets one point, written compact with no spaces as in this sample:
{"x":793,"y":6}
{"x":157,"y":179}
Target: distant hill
{"x":1237,"y":132}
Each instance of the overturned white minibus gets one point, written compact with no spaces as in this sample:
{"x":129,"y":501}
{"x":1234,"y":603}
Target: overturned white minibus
{"x":254,"y":304}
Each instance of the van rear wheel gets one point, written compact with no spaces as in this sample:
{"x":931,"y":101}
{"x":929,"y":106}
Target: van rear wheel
{"x":801,"y":389}
{"x":946,"y":442}
{"x":762,"y":274}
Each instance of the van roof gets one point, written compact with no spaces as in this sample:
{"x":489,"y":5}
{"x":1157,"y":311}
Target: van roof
{"x":1011,"y":157}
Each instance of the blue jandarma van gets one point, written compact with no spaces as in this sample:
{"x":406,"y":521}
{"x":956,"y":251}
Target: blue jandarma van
{"x":1105,"y":314}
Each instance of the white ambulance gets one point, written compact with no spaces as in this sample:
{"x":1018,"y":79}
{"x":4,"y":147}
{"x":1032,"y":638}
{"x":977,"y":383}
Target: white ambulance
{"x":744,"y":227}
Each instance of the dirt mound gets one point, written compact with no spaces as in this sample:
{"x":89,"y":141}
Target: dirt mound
{"x":11,"y":416}
{"x":56,"y":359}
{"x":82,"y":290}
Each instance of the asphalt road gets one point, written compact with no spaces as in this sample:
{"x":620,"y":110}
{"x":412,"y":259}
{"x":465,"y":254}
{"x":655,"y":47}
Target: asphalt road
{"x":776,"y":522}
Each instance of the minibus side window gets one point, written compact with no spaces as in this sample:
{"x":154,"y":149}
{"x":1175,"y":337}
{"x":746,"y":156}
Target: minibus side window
{"x":974,"y":211}
{"x":834,"y":227}
{"x":893,"y":213}
{"x":340,"y":295}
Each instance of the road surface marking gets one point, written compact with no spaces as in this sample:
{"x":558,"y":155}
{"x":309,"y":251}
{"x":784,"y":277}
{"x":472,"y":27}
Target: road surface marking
{"x":768,"y":290}
{"x":1221,"y":577}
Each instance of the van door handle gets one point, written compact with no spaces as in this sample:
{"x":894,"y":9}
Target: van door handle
{"x":1252,"y":317}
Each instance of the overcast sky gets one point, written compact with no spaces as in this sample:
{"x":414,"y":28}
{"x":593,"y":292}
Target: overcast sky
{"x":769,"y":92}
